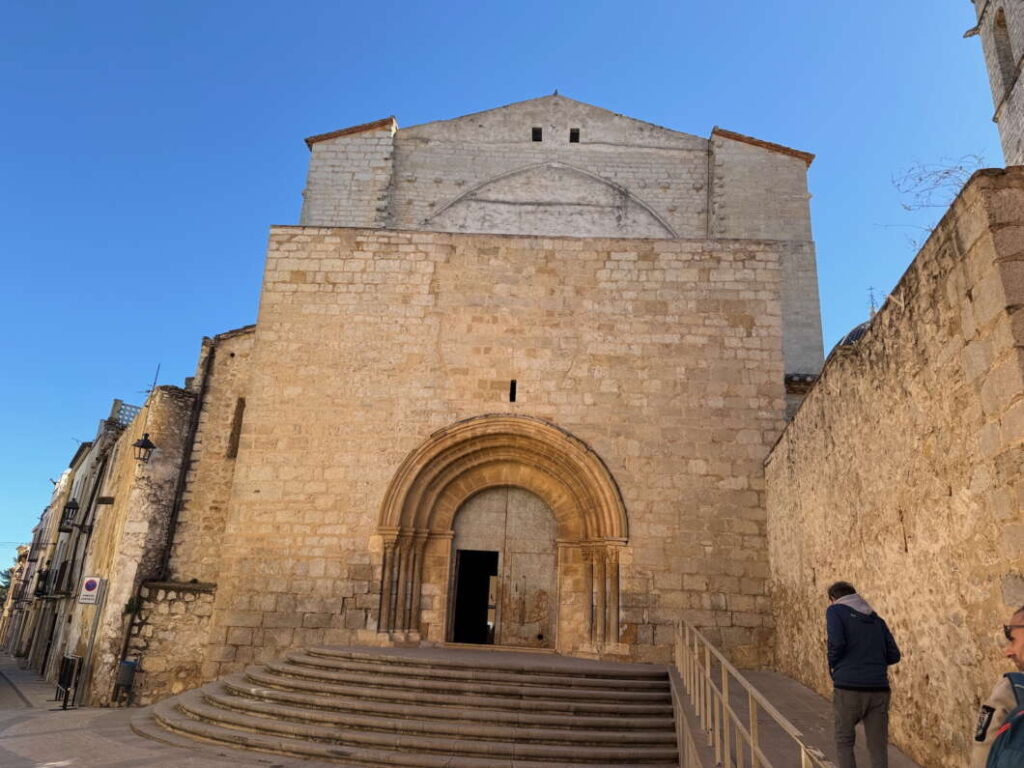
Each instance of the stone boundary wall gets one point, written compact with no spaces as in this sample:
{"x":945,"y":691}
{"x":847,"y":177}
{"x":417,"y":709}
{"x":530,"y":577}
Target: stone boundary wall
{"x":169,"y":637}
{"x":902,"y":473}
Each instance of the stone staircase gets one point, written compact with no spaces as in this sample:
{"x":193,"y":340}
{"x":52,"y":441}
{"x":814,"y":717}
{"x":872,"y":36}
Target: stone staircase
{"x":429,"y":708}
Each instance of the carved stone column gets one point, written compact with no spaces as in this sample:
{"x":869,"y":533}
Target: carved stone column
{"x":387,"y":587}
{"x":601,"y":594}
{"x":611,"y":632}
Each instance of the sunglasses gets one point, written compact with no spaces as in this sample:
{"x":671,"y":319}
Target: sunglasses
{"x":1008,"y":630}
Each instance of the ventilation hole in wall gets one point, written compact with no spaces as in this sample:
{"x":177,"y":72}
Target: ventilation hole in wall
{"x":574,"y":135}
{"x":512,"y":391}
{"x":538,"y":133}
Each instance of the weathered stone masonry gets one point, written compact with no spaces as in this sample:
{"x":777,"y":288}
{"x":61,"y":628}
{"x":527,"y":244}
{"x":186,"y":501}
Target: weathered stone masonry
{"x":902,"y":473}
{"x":665,"y":357}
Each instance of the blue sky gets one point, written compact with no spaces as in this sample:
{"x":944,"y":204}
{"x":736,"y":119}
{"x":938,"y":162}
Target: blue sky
{"x":145,"y":148}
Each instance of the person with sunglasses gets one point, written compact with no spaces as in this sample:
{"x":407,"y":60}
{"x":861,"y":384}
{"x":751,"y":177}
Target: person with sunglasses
{"x":1002,"y":700}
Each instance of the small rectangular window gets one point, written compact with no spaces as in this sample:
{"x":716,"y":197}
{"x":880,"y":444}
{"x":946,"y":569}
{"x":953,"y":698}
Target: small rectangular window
{"x":538,"y":133}
{"x":574,"y":135}
{"x":512,"y":391}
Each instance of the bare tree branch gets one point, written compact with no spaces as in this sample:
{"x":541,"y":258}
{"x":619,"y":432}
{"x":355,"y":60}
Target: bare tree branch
{"x":935,"y":185}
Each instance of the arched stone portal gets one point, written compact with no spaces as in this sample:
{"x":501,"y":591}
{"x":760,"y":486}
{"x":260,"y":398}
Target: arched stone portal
{"x":454,"y":464}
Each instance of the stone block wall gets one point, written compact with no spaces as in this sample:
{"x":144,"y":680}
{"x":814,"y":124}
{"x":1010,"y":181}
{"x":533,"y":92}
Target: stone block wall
{"x":200,"y":527}
{"x":168,"y":638}
{"x":663,"y":356}
{"x":349,"y":177}
{"x":624,"y":178}
{"x":438,"y":163}
{"x":902,"y":473}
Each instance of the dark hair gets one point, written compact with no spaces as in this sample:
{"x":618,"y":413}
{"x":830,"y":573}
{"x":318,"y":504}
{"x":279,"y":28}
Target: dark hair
{"x":841,"y":589}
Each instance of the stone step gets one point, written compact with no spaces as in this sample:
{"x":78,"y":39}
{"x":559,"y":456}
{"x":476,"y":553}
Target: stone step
{"x":241,"y":686}
{"x":468,"y":689}
{"x":419,"y":722}
{"x":522,"y":662}
{"x":216,"y":738}
{"x":539,"y":676}
{"x":195,"y":705}
{"x":265,"y":676}
{"x":428,"y":708}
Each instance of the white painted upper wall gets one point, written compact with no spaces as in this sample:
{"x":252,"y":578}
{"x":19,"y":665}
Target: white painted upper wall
{"x":486,"y":173}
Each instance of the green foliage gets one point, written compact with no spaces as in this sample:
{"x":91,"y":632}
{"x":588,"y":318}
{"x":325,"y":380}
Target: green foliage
{"x":5,"y":583}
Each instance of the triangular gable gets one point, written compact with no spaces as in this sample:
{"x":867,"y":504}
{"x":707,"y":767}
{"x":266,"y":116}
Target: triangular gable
{"x":554,"y":99}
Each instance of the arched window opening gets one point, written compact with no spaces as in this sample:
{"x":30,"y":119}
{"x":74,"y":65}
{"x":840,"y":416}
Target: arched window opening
{"x":1005,"y":59}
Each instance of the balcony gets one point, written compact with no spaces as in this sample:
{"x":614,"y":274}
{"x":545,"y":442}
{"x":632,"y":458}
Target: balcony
{"x":68,"y":517}
{"x":41,"y":582}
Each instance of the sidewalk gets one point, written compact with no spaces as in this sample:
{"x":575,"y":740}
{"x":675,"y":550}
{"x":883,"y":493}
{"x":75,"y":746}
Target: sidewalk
{"x":36,"y":733}
{"x":23,"y":689}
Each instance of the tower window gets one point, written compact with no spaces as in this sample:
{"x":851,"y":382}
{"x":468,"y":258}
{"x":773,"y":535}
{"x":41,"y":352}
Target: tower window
{"x":1004,"y":52}
{"x":512,"y":391}
{"x":574,"y":135}
{"x":538,"y":133}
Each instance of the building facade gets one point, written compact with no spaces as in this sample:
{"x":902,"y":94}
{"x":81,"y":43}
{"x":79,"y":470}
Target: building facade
{"x":512,"y":382}
{"x":1001,"y":29}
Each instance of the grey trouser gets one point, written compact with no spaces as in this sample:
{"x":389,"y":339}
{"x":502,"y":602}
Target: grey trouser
{"x":871,"y":707}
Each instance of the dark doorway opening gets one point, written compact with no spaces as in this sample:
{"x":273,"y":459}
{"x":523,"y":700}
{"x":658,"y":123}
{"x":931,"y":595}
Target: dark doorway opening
{"x":476,"y":579}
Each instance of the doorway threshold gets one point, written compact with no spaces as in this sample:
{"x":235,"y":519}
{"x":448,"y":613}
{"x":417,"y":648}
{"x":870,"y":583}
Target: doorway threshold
{"x":502,"y":648}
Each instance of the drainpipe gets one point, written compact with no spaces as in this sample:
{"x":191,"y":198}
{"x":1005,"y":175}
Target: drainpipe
{"x":179,"y":494}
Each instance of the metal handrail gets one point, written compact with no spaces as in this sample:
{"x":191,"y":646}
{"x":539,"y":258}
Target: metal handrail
{"x":734,"y":741}
{"x":689,"y":753}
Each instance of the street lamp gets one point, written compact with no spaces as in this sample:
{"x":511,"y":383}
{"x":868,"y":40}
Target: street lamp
{"x":143,"y":448}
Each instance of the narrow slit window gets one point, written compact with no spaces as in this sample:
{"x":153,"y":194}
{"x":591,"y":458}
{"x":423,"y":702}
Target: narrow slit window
{"x":574,"y":135}
{"x":512,"y":391}
{"x":538,"y":133}
{"x":236,"y":428}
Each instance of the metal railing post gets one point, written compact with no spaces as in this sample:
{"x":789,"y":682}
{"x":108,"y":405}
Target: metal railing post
{"x":726,"y":709}
{"x":755,"y":745}
{"x":707,"y":684}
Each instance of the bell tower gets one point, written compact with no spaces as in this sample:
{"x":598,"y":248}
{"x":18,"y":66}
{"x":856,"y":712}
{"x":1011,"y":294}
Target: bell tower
{"x":1001,"y":29}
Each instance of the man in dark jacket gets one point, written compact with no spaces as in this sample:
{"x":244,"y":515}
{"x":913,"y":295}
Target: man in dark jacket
{"x":860,"y":648}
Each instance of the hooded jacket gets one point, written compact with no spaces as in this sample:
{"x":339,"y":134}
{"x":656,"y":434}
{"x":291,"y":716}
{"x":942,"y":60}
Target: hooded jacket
{"x":860,"y":645}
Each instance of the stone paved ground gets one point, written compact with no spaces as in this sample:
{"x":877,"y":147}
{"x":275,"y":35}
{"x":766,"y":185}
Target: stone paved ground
{"x":812,"y":716}
{"x":36,"y":733}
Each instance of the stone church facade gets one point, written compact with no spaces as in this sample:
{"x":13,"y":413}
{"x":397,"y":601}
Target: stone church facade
{"x":538,"y":378}
{"x":513,"y":380}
